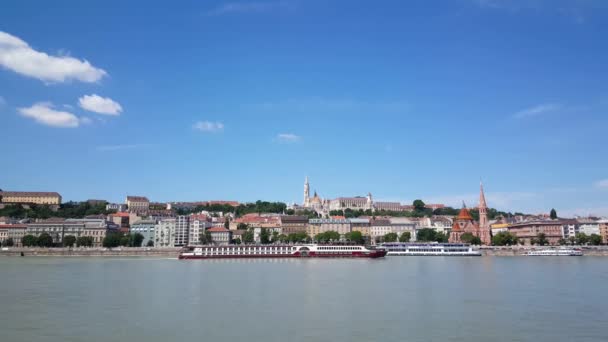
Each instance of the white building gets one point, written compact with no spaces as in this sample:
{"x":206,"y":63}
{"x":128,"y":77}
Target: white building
{"x":257,"y":232}
{"x":164,"y":233}
{"x":198,"y":224}
{"x":379,"y":228}
{"x":220,"y":235}
{"x":182,"y":230}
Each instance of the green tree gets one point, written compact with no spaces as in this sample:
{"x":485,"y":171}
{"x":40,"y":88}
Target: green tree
{"x":390,"y":237}
{"x":581,"y":238}
{"x":441,"y":237}
{"x":236,"y":241}
{"x":327,"y":236}
{"x":150,"y":243}
{"x":504,"y":239}
{"x":274,"y":237}
{"x":29,"y":241}
{"x":126,"y":241}
{"x":137,"y":240}
{"x":112,"y":240}
{"x":572,"y":240}
{"x":541,"y":239}
{"x":69,"y":240}
{"x":205,"y":238}
{"x":466,"y":237}
{"x":283,"y":238}
{"x":562,"y":242}
{"x":227,"y":223}
{"x":405,"y":237}
{"x":45,"y":240}
{"x":248,"y":236}
{"x":595,"y":240}
{"x":242,"y":226}
{"x":9,"y":242}
{"x":264,"y":236}
{"x":355,"y":237}
{"x":553,"y":214}
{"x":84,"y":241}
{"x":426,"y":235}
{"x":419,"y":205}
{"x":298,"y":237}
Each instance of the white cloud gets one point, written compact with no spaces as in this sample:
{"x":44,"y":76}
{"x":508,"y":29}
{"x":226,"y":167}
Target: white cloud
{"x":288,"y":138}
{"x":121,"y":147}
{"x":537,"y":110}
{"x":208,"y":126}
{"x":101,"y":105}
{"x":43,"y":113}
{"x":248,"y":7}
{"x":18,"y":56}
{"x":602,"y":184}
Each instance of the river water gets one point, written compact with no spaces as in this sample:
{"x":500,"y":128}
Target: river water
{"x":396,"y":299}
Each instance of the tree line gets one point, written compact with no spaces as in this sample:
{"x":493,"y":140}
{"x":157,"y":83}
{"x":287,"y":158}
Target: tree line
{"x":65,"y":210}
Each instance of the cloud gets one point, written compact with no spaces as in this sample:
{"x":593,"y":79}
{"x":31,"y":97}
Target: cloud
{"x":208,"y":126}
{"x":121,"y":147}
{"x":43,"y":113}
{"x":602,"y":184}
{"x":537,"y":110}
{"x":18,"y":56}
{"x":288,"y":138}
{"x":248,"y":7}
{"x":101,"y":105}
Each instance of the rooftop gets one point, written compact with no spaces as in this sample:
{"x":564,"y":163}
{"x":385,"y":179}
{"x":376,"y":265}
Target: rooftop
{"x":30,"y":193}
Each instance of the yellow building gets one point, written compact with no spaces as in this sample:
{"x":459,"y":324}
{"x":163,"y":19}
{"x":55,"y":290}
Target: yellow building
{"x":25,"y":197}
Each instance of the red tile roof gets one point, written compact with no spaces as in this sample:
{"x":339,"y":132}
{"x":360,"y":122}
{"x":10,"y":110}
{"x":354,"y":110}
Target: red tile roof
{"x":9,"y":226}
{"x":217,"y":229}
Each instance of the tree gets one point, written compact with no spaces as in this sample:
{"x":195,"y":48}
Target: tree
{"x":112,"y":240}
{"x":264,"y":236}
{"x":541,"y":239}
{"x":205,"y":238}
{"x":126,"y":241}
{"x":283,"y":238}
{"x":426,"y":234}
{"x":441,"y":237}
{"x":504,"y":239}
{"x":45,"y":240}
{"x":595,"y":240}
{"x":69,"y":240}
{"x":84,"y":241}
{"x":275,"y":236}
{"x":466,"y":237}
{"x":9,"y":242}
{"x":242,"y":226}
{"x":227,"y":223}
{"x":150,"y":243}
{"x":405,"y":237}
{"x":248,"y":236}
{"x":390,"y":237}
{"x":327,"y":236}
{"x":29,"y":241}
{"x":581,"y":238}
{"x":298,"y":237}
{"x":355,"y":237}
{"x":553,"y":214}
{"x":475,"y":241}
{"x":419,"y":205}
{"x":572,"y":240}
{"x":137,"y":240}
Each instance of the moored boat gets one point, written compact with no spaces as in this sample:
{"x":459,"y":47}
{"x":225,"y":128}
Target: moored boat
{"x":429,"y":249}
{"x":280,"y":251}
{"x":556,"y":252}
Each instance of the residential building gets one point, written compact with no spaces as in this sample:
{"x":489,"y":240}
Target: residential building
{"x":257,"y":233}
{"x":145,"y":228}
{"x":198,"y":224}
{"x":137,"y":204}
{"x":588,"y":226}
{"x":316,"y":226}
{"x":258,"y":221}
{"x":164,"y":233}
{"x":220,"y":235}
{"x":119,"y":207}
{"x":360,"y":225}
{"x":238,"y":234}
{"x":400,"y":225}
{"x":293,"y":224}
{"x":379,"y":227}
{"x":122,"y":219}
{"x":182,"y":233}
{"x":12,"y":231}
{"x":603,"y":227}
{"x":26,"y":197}
{"x":528,"y":230}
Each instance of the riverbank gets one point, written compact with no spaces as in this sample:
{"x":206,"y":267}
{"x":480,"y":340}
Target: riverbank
{"x":173,"y":252}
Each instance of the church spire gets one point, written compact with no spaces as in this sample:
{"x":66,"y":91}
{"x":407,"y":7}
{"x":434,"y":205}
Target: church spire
{"x":483,"y":209}
{"x":482,"y":197}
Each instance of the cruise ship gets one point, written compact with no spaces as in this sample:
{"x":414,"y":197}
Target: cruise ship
{"x":429,"y":249}
{"x":556,"y":252}
{"x":280,"y":251}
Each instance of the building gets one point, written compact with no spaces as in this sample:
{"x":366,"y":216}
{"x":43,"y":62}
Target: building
{"x":379,"y":227}
{"x":464,"y":223}
{"x":59,"y":228}
{"x":257,"y":233}
{"x":137,"y":204}
{"x":400,"y":225}
{"x":145,"y":228}
{"x":26,"y":197}
{"x":122,"y":219}
{"x":291,"y":224}
{"x":353,"y":203}
{"x":360,"y":225}
{"x":198,"y":224}
{"x":182,"y":231}
{"x":316,"y":226}
{"x":588,"y":226}
{"x":603,"y":227}
{"x":164,"y":233}
{"x":528,"y":230}
{"x":258,"y":221}
{"x":16,"y":232}
{"x":118,"y":207}
{"x":220,"y":235}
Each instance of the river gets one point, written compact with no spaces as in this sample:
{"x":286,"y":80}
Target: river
{"x":393,"y":299}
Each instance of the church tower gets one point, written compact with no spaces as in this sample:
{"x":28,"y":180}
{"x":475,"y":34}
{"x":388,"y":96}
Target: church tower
{"x":306,"y":193}
{"x":484,"y":225}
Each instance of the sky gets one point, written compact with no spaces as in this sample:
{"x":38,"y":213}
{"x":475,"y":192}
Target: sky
{"x":240,"y":100}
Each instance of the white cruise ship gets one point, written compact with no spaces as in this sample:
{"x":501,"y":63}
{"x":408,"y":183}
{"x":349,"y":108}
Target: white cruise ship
{"x":556,"y":252}
{"x":429,"y":249}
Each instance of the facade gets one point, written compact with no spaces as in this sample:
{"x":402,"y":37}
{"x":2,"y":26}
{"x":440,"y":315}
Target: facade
{"x":182,"y":230}
{"x":360,"y":225}
{"x":379,"y":227}
{"x":137,"y":204}
{"x":220,"y":235}
{"x":526,"y":231}
{"x":293,"y":224}
{"x":119,"y":207}
{"x":145,"y":228}
{"x":12,"y":231}
{"x":354,"y":203}
{"x":60,"y":228}
{"x":164,"y":233}
{"x":26,"y":197}
{"x":257,"y":233}
{"x":198,"y":224}
{"x":603,"y":227}
{"x":401,"y":225}
{"x":316,"y":226}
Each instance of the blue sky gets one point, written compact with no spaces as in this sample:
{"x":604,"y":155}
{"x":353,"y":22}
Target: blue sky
{"x":241,"y":100}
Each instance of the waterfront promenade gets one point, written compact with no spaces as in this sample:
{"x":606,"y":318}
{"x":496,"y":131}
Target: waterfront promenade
{"x":174,"y":251}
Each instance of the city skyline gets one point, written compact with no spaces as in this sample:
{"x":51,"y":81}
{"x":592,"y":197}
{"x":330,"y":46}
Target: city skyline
{"x":242,"y":100}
